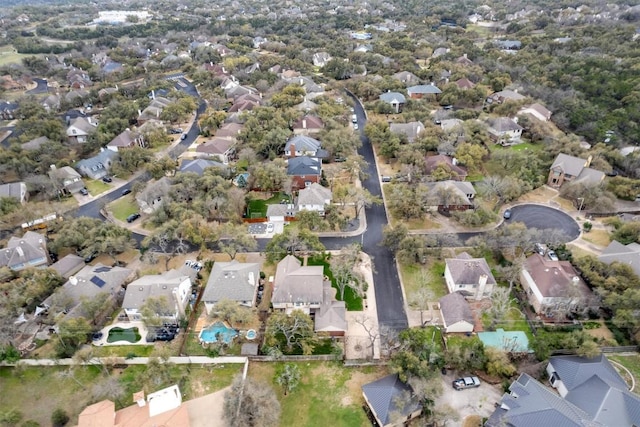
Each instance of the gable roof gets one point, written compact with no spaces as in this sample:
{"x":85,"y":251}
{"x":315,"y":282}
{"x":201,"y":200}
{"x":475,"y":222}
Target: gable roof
{"x":35,"y":143}
{"x":455,"y":308}
{"x":504,"y":124}
{"x":68,"y":265}
{"x":538,"y":108}
{"x":315,"y":194}
{"x":308,"y":122}
{"x":384,"y":395}
{"x":625,"y":254}
{"x":83,"y":124}
{"x":26,"y":251}
{"x":16,"y":190}
{"x":406,"y":77}
{"x":466,"y":270}
{"x":332,"y":315}
{"x":151,"y":286}
{"x":431,"y":89}
{"x":461,"y":189}
{"x":577,"y":167}
{"x":530,"y":404}
{"x":465,"y":83}
{"x":229,"y":130}
{"x":215,"y":146}
{"x":99,"y":161}
{"x":295,"y":283}
{"x":595,"y":386}
{"x":125,"y":139}
{"x":303,"y":143}
{"x":303,"y":165}
{"x":432,"y":163}
{"x":232,"y":280}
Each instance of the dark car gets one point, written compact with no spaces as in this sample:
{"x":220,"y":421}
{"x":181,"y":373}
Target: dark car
{"x":90,"y":257}
{"x":84,"y":191}
{"x":97,"y":336}
{"x":126,"y":191}
{"x":184,"y":136}
{"x":106,"y":179}
{"x":133,"y":217}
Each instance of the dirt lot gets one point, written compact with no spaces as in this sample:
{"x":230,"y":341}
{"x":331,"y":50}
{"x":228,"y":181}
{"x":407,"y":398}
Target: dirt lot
{"x":475,"y":401}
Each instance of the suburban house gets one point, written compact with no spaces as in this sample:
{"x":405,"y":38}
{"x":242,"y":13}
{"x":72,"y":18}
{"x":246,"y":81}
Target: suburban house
{"x":624,"y":254}
{"x":453,"y":128}
{"x":297,"y":287}
{"x":8,"y":110}
{"x":569,"y":168}
{"x":91,"y":281}
{"x":465,"y":84}
{"x":151,"y":197}
{"x":314,"y":198}
{"x":331,"y":318}
{"x":320,"y":59}
{"x":36,"y":143}
{"x":15,"y":190}
{"x":505,"y":131}
{"x":66,"y":179}
{"x":154,"y":109}
{"x":395,"y":99}
{"x":450,"y":195}
{"x":504,"y":96}
{"x":198,"y":166}
{"x":595,"y":386}
{"x":97,"y":166}
{"x":173,"y":285}
{"x":422,"y":91}
{"x":538,"y":111}
{"x":301,"y":145}
{"x":471,"y":276}
{"x":162,"y":408}
{"x":308,"y":125}
{"x":304,"y":171}
{"x":229,"y":130}
{"x":311,"y":88}
{"x":127,"y":139}
{"x":407,"y":77}
{"x":530,"y":403}
{"x":236,"y":281}
{"x":464,"y":60}
{"x":221,"y":149}
{"x":391,"y":401}
{"x":306,"y":105}
{"x":438,"y":165}
{"x":456,"y":313}
{"x":280,"y":212}
{"x":554,"y":287}
{"x":30,"y":250}
{"x":508,"y":44}
{"x":80,"y":129}
{"x":410,"y":130}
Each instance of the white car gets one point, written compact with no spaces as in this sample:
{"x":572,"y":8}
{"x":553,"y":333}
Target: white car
{"x":270,"y":227}
{"x":355,"y":126}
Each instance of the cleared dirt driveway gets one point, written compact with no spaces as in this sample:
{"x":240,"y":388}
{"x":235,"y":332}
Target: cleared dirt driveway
{"x":474,"y":401}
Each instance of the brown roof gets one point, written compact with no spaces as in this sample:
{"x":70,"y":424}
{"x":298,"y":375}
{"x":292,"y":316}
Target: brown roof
{"x":308,"y":122}
{"x":466,"y":270}
{"x":295,"y":283}
{"x":465,"y":83}
{"x":555,"y":279}
{"x":229,"y":130}
{"x":99,"y":414}
{"x":432,"y":162}
{"x":215,"y":146}
{"x":136,"y":416}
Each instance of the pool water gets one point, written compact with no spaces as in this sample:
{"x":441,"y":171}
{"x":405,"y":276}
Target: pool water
{"x":251,"y":334}
{"x":119,"y":334}
{"x":218,"y":330}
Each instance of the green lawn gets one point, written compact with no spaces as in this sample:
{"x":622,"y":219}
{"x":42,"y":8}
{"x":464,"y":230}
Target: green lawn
{"x":123,"y":207}
{"x":351,"y":299}
{"x":8,"y":55}
{"x":257,"y":208}
{"x":96,"y":186}
{"x":632,"y":363}
{"x":413,"y":275}
{"x":123,"y":350}
{"x":328,"y":394}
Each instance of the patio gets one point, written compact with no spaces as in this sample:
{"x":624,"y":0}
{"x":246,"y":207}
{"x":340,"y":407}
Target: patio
{"x":142,"y":330}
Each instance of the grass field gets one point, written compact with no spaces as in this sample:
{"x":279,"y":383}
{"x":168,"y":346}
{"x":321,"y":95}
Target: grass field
{"x":597,"y":237}
{"x":414,"y":275}
{"x":632,"y":363}
{"x":328,"y":394}
{"x":8,"y":55}
{"x":123,"y":207}
{"x":351,"y":299}
{"x":257,"y":208}
{"x":96,"y":186}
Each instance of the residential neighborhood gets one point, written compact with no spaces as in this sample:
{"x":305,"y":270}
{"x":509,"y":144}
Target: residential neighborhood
{"x":321,"y":213}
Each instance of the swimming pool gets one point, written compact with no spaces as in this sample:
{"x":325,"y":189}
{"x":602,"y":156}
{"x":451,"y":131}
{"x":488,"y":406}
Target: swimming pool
{"x":218,"y":330}
{"x":131,"y":335}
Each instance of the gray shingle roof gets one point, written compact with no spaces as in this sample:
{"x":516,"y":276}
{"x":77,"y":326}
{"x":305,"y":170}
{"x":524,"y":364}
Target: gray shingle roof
{"x":155,"y":285}
{"x":504,"y":124}
{"x":617,"y":252}
{"x":466,"y":270}
{"x":232,"y":280}
{"x":424,"y":89}
{"x":332,"y":315}
{"x":199,"y":165}
{"x":531,"y":404}
{"x":303,"y":143}
{"x":569,"y":164}
{"x":26,"y":251}
{"x":382,"y":396}
{"x":68,"y":265}
{"x":315,"y":194}
{"x":393,"y":97}
{"x":455,"y":308}
{"x":303,"y":165}
{"x":295,"y":283}
{"x":411,"y":129}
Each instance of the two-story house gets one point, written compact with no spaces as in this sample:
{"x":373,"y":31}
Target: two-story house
{"x":30,"y":250}
{"x":98,"y":166}
{"x":80,"y":129}
{"x":314,"y":198}
{"x":570,"y":168}
{"x":126,"y":139}
{"x":304,"y":171}
{"x":470,"y":276}
{"x":505,"y":131}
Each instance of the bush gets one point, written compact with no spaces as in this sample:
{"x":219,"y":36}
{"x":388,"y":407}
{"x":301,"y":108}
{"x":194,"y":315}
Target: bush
{"x":59,"y":418}
{"x":587,"y":226}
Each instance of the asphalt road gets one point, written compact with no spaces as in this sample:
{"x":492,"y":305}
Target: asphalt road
{"x":543,"y":217}
{"x":41,"y":88}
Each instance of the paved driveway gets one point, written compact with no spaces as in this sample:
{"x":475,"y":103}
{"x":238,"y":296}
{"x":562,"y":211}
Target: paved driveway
{"x":475,"y":401}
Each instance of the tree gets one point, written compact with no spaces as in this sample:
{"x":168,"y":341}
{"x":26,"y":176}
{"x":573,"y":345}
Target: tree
{"x":466,"y":354}
{"x":501,"y":303}
{"x":498,"y":363}
{"x":71,"y":334}
{"x":10,"y":417}
{"x":231,"y":312}
{"x":109,"y":388}
{"x":249,"y":403}
{"x":420,"y":298}
{"x":59,"y":418}
{"x":292,"y":241}
{"x":288,"y":377}
{"x":234,"y":238}
{"x":155,"y":309}
{"x":361,"y":198}
{"x":289,"y":332}
{"x":268,"y":176}
{"x":471,"y":155}
{"x":343,"y":268}
{"x":370,"y":327}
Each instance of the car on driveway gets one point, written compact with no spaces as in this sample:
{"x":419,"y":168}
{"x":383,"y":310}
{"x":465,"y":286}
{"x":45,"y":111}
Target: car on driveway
{"x":106,"y":179}
{"x":84,"y":191}
{"x":552,"y":256}
{"x":466,"y":382}
{"x":133,"y":217}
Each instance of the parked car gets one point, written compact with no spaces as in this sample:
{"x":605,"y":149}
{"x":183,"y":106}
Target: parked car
{"x":126,"y":191}
{"x":97,"y":336}
{"x":133,"y":217}
{"x":184,"y":136}
{"x":106,"y":179}
{"x":90,"y":257}
{"x":270,"y":227}
{"x":84,"y":191}
{"x":466,"y":382}
{"x":552,"y":256}
{"x":355,"y":126}
{"x":540,"y":248}
{"x":507,"y":214}
{"x":386,"y":179}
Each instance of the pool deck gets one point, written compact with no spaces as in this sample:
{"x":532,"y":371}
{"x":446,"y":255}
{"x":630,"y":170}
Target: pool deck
{"x":142,"y":329}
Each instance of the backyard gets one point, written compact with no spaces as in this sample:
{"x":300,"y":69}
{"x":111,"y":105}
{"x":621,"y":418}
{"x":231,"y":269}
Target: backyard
{"x":415,"y":276}
{"x":328,"y":393}
{"x":352,"y":300}
{"x":257,"y":207}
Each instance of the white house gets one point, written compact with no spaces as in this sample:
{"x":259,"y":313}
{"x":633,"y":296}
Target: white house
{"x":505,"y":131}
{"x":538,"y":111}
{"x":314,"y":198}
{"x":456,"y":313}
{"x":173,"y":285}
{"x":80,"y":128}
{"x":471,"y":276}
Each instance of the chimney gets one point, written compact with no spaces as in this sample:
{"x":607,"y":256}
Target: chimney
{"x":139,"y":112}
{"x":482,"y":283}
{"x":304,"y":123}
{"x":589,"y":160}
{"x":292,"y":149}
{"x":464,"y":55}
{"x":153,"y":94}
{"x":139,"y":398}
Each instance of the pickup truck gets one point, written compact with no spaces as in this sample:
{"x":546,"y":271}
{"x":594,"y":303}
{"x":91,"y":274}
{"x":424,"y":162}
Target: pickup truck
{"x":466,"y":382}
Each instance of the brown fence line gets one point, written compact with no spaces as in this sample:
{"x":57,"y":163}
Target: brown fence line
{"x":254,"y":220}
{"x":617,"y":349}
{"x":301,"y":358}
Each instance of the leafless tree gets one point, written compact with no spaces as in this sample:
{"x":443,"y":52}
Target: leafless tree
{"x":249,"y":403}
{"x":371,"y":329}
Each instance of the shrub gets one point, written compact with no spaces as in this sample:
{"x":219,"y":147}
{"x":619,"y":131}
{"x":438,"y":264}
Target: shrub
{"x":59,"y":418}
